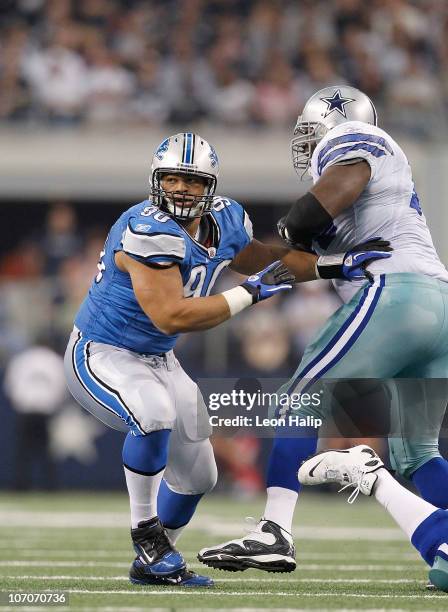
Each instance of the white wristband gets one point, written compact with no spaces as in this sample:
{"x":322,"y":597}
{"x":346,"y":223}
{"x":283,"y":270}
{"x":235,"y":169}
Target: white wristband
{"x":238,"y":299}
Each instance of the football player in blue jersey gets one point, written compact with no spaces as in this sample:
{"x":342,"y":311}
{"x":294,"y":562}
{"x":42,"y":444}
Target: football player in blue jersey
{"x":391,"y":329}
{"x":159,"y":264}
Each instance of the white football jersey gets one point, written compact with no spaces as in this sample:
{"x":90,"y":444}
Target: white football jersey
{"x":388,"y":207}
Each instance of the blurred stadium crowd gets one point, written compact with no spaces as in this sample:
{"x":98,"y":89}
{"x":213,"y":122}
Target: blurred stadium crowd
{"x":229,"y":61}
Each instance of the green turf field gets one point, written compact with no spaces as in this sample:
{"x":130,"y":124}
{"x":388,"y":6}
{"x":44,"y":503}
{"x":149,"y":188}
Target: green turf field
{"x":349,"y":557}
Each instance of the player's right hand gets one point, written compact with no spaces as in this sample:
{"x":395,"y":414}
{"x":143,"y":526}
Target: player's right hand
{"x":352,"y":265}
{"x":268,"y":282}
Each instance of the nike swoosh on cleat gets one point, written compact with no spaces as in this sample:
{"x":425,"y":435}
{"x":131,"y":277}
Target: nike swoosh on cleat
{"x":311,"y":472}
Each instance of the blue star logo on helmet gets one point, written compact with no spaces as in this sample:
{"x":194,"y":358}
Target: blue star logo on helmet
{"x":337,"y":103}
{"x":162,"y":148}
{"x":213,"y":157}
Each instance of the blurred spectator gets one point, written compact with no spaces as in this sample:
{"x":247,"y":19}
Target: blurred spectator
{"x":238,"y":464}
{"x":25,"y":262}
{"x":278,"y":94}
{"x":177,"y":80}
{"x":415,"y":101}
{"x":14,"y":97}
{"x":35,"y":385}
{"x":61,"y":239}
{"x":57,"y":76}
{"x":223,"y":94}
{"x":148,"y":103}
{"x":109,"y":85}
{"x":264,"y":343}
{"x":320,"y":72}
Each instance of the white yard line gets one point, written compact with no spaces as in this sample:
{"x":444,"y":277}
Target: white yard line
{"x":231,"y":580}
{"x":303,"y":567}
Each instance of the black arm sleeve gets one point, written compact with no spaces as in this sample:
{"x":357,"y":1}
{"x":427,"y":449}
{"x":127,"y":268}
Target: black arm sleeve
{"x":306,"y":219}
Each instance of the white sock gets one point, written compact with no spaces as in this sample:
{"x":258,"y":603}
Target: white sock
{"x":407,"y":509}
{"x":142,"y":495}
{"x":174,"y":534}
{"x":280,"y":507}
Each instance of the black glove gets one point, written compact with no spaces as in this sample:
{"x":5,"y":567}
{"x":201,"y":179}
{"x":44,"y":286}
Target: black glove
{"x":352,"y":264}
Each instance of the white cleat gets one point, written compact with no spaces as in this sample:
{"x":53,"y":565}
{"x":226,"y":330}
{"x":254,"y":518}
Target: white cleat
{"x":267,"y":547}
{"x":354,"y":467}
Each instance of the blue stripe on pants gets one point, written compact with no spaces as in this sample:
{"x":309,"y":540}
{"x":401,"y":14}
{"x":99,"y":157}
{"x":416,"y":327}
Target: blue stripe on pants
{"x":109,"y":398}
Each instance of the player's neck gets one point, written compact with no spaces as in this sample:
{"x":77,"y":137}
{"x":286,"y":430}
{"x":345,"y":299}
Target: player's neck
{"x":192,"y":227}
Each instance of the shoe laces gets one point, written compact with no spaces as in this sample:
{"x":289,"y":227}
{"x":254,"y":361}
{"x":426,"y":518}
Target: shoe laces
{"x":357,"y":483}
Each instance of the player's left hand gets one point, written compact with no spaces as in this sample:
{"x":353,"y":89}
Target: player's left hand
{"x":273,"y":279}
{"x":352,"y":265}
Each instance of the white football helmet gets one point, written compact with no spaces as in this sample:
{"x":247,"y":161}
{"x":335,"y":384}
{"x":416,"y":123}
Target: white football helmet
{"x":184,"y":153}
{"x":322,"y":112}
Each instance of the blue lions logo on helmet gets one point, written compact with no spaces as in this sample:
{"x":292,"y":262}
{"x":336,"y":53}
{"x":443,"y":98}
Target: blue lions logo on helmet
{"x":162,"y":148}
{"x":213,"y":157}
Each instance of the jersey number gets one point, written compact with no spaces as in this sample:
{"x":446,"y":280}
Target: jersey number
{"x":195,"y":284}
{"x":101,"y":265}
{"x":156,"y":212}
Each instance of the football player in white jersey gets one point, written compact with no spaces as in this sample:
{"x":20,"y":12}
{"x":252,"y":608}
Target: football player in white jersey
{"x":393,"y":326}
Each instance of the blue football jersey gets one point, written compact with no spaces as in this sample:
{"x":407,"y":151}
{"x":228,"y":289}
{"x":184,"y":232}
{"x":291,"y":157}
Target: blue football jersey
{"x":110,"y":312}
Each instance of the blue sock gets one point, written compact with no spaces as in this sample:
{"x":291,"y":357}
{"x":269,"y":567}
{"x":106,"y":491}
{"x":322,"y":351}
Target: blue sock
{"x":430,"y":534}
{"x":286,"y":457}
{"x":175,"y":509}
{"x":431,"y":480}
{"x":146,"y":455}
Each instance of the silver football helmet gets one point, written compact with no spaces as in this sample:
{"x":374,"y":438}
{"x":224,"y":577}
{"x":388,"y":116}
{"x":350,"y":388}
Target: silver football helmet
{"x":184,"y":153}
{"x":322,"y":112}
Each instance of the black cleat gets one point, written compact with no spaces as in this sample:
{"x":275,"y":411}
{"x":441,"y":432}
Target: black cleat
{"x":154,"y":550}
{"x":268,"y":547}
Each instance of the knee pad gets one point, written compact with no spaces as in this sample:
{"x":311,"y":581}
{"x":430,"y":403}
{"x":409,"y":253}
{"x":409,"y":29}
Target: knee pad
{"x":204,"y":477}
{"x":192,"y":470}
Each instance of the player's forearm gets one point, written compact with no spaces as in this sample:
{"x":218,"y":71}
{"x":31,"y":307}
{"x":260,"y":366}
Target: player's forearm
{"x":258,"y":255}
{"x":301,"y":264}
{"x":195,"y":314}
